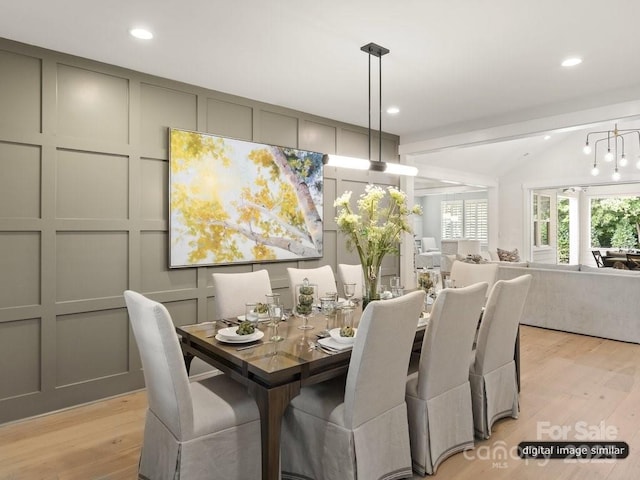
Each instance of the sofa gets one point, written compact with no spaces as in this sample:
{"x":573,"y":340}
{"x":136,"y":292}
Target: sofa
{"x":601,"y":302}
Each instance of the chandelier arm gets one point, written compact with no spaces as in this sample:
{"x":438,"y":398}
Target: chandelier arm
{"x":598,"y":133}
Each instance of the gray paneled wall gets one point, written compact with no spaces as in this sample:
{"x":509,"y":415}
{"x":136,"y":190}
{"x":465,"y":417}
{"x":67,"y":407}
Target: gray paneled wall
{"x":84,"y":215}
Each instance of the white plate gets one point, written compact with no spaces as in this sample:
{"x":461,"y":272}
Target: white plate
{"x":261,"y":317}
{"x":335,"y":334}
{"x":257,"y":335}
{"x":332,"y":345}
{"x":422,"y":321}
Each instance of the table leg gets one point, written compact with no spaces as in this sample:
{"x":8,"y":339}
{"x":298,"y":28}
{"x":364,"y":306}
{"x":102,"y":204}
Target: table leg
{"x":187,"y":361}
{"x":272,"y":402}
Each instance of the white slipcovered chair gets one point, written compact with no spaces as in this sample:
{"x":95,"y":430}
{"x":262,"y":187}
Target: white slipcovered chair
{"x":438,"y":394}
{"x":234,"y":290}
{"x":455,"y":248}
{"x":351,"y":274}
{"x":492,"y":373}
{"x":323,"y":277}
{"x":200,"y":430}
{"x":429,"y":254}
{"x":464,"y":274}
{"x":356,"y":428}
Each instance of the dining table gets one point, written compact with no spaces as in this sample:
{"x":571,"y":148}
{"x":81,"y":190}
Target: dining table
{"x":274,"y":372}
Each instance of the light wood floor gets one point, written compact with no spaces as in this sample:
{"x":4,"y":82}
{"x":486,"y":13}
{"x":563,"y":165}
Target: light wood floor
{"x":566,"y":379}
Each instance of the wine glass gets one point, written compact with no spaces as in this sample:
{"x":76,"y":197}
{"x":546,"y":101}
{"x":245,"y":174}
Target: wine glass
{"x":275,"y":314}
{"x":272,"y":298}
{"x":349,"y":292}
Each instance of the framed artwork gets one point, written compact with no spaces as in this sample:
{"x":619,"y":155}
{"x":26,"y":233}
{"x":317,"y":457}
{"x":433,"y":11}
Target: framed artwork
{"x":232,"y":201}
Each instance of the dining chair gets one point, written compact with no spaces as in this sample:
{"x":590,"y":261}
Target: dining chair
{"x":208,"y":429}
{"x":633,"y":261}
{"x":597,"y":255}
{"x":492,"y":370}
{"x":438,"y":394}
{"x":234,"y":290}
{"x":351,"y":274}
{"x":355,"y":427}
{"x":322,"y":277}
{"x":464,"y":274}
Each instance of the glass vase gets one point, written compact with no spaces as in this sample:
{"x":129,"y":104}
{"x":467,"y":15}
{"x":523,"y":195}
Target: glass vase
{"x":372,"y":275}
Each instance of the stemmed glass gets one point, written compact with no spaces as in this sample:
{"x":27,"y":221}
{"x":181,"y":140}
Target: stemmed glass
{"x":349,"y":292}
{"x":275,"y":314}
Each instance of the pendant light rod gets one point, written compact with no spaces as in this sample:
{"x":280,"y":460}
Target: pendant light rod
{"x":375,"y":50}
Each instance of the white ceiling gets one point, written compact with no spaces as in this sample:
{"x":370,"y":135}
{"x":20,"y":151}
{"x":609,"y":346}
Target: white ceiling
{"x":453,"y":63}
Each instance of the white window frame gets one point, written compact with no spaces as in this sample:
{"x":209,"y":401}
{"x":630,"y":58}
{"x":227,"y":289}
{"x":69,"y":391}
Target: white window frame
{"x":451,"y":219}
{"x":476,"y":220}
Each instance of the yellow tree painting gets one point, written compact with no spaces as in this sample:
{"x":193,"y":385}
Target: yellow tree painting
{"x":233,"y":201}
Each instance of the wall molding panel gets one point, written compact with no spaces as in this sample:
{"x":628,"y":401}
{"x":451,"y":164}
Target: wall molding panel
{"x":84,"y":215}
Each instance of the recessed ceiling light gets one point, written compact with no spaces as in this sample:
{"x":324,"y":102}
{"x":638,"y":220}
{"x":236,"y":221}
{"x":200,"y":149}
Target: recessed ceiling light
{"x":547,"y":137}
{"x":572,"y":62}
{"x":141,"y":33}
{"x":393,"y":110}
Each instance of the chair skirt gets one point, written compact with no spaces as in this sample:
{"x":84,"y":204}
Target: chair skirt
{"x":378,"y":449}
{"x":439,"y":427}
{"x":494,"y":396}
{"x":214,"y":456}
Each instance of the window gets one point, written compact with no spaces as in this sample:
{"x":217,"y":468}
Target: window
{"x":451,"y":218}
{"x":541,"y":219}
{"x":615,"y":222}
{"x":475,"y":220}
{"x":466,"y":219}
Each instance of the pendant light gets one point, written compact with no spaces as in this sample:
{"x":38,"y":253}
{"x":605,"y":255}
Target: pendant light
{"x":373,"y":165}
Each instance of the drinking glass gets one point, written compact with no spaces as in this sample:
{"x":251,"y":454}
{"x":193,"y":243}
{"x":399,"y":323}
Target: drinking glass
{"x":250,"y":313}
{"x":349,"y":292}
{"x":275,"y":314}
{"x":273,"y":298}
{"x":395,"y":283}
{"x":328,"y":308}
{"x":347,"y":317}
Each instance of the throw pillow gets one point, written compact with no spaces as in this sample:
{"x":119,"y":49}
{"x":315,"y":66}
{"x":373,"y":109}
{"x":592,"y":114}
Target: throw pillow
{"x":508,"y":256}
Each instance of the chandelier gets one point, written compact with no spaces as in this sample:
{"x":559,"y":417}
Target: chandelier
{"x":615,"y":145}
{"x":375,"y":165}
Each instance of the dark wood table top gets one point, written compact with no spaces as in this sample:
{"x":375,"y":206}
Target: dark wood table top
{"x":273,"y":379}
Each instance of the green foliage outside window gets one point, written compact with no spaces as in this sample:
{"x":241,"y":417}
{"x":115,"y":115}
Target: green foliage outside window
{"x":615,"y":222}
{"x":563,"y":230}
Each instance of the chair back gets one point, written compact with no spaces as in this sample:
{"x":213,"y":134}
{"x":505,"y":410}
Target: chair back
{"x":448,"y":339}
{"x":633,"y":261}
{"x":165,"y":375}
{"x":468,"y":247}
{"x":465,"y":274}
{"x":376,"y":379}
{"x":499,"y":326}
{"x":597,"y":255}
{"x":234,"y":290}
{"x":429,"y":244}
{"x":323,"y":277}
{"x":351,"y":274}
